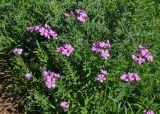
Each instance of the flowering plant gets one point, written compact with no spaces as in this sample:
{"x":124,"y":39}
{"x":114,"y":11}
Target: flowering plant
{"x":81,"y":56}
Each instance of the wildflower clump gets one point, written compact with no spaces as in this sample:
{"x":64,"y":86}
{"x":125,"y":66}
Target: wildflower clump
{"x":65,"y":49}
{"x":50,"y":78}
{"x":102,"y":76}
{"x":18,"y":51}
{"x":82,"y":15}
{"x":45,"y":31}
{"x":102,"y":48}
{"x":131,"y":76}
{"x":142,"y":55}
{"x":64,"y":105}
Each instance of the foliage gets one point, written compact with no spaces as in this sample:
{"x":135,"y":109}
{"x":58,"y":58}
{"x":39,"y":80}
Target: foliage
{"x":125,"y":23}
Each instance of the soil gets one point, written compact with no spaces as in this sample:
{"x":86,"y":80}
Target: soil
{"x":8,"y":105}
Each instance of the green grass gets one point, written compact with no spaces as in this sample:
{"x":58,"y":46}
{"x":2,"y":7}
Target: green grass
{"x":125,"y":23}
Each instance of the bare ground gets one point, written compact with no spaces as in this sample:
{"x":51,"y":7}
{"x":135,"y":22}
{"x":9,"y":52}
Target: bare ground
{"x":8,"y":105}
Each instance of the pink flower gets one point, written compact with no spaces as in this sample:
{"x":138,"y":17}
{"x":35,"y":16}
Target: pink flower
{"x":45,"y":73}
{"x":124,"y":77}
{"x":42,"y":31}
{"x":136,"y":77}
{"x":130,"y":77}
{"x":45,"y":31}
{"x":105,"y":44}
{"x":64,"y":105}
{"x":65,"y":49}
{"x":69,"y":47}
{"x":82,"y":12}
{"x":96,"y":47}
{"x":64,"y":52}
{"x":102,"y":76}
{"x":144,"y":52}
{"x":134,"y":57}
{"x":81,"y":19}
{"x":148,"y":112}
{"x":101,"y":47}
{"x":47,"y":26}
{"x":52,"y":34}
{"x":101,"y":44}
{"x":82,"y":15}
{"x":104,"y":72}
{"x":57,"y":76}
{"x":105,"y":54}
{"x":142,"y":55}
{"x":149,"y":57}
{"x":50,"y":78}
{"x":33,"y":28}
{"x":140,"y":61}
{"x":28,"y":75}
{"x":50,"y":82}
{"x":18,"y":51}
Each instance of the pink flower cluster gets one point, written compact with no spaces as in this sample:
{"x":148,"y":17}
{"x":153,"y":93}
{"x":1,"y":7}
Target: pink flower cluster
{"x":18,"y":51}
{"x":64,"y":105}
{"x":131,"y":76}
{"x":45,"y":31}
{"x":66,"y":49}
{"x":148,"y":112}
{"x":102,"y":48}
{"x":142,"y":55}
{"x":82,"y":15}
{"x":50,"y":78}
{"x":102,"y":76}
